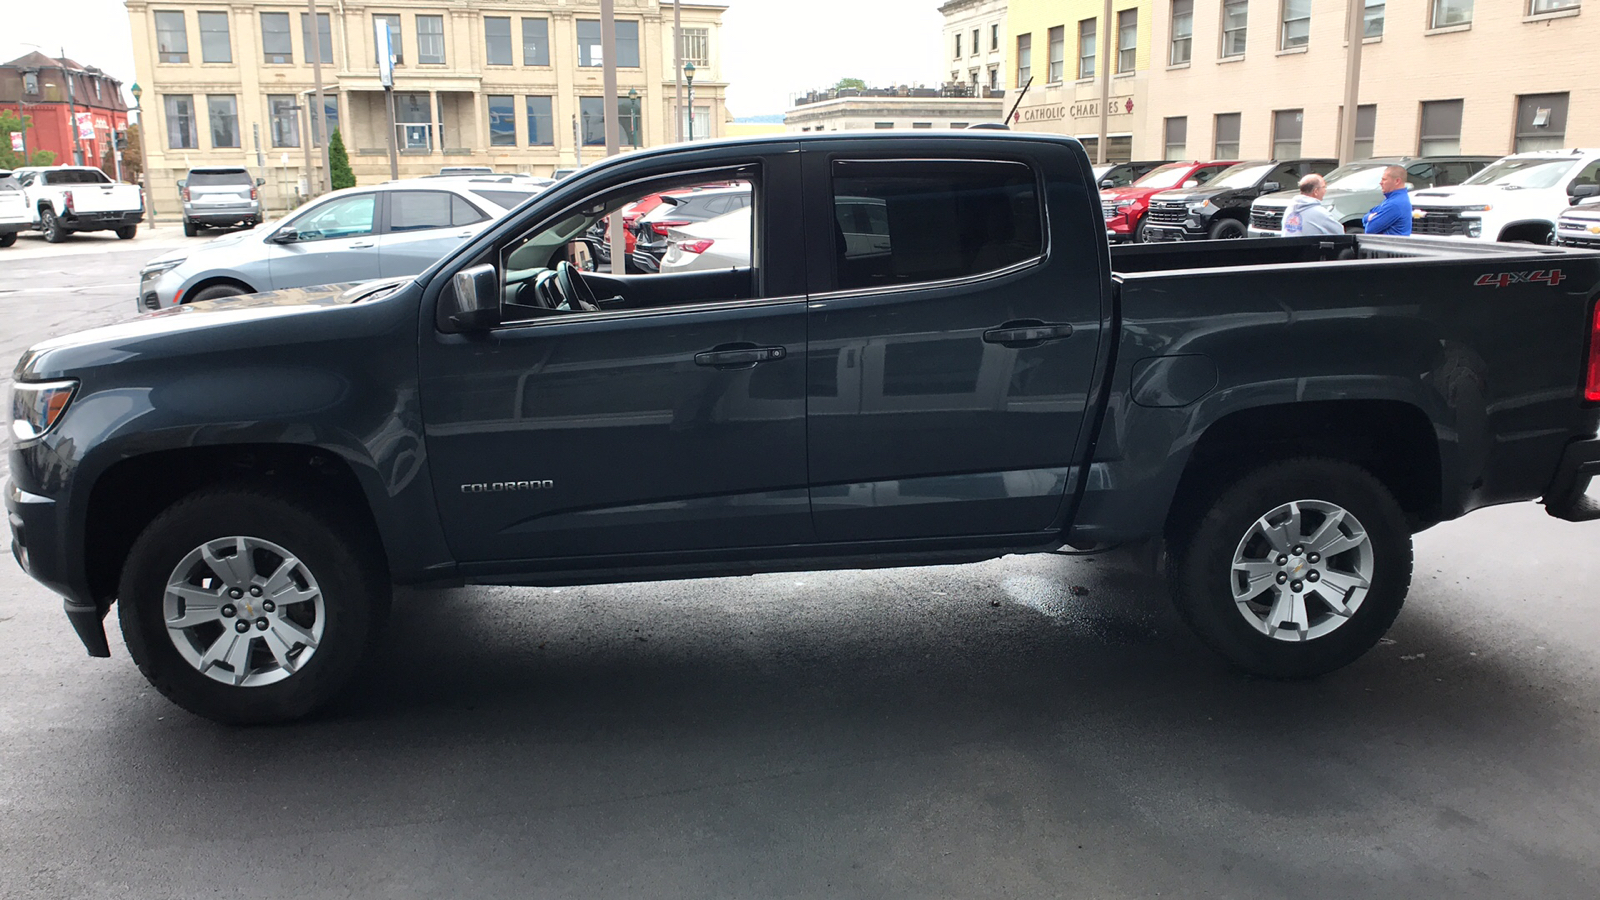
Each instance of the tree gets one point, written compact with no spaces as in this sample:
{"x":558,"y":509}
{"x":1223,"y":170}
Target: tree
{"x":339,"y":163}
{"x":10,"y":159}
{"x":847,"y":83}
{"x":132,"y":160}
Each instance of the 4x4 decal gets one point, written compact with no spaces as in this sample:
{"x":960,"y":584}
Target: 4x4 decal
{"x":1551,"y":277}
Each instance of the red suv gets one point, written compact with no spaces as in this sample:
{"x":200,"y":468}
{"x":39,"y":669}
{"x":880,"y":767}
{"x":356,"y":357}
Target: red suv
{"x":1124,"y":207}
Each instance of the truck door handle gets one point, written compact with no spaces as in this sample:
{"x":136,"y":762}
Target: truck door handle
{"x":362,"y":245}
{"x":1027,"y":333}
{"x":738,"y":356}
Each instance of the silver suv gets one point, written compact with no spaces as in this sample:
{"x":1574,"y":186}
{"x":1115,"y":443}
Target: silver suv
{"x":219,"y":196}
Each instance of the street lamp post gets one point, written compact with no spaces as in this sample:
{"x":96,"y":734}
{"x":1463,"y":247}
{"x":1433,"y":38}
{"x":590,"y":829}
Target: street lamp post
{"x":144,"y":159}
{"x":688,"y":78}
{"x":633,"y":115}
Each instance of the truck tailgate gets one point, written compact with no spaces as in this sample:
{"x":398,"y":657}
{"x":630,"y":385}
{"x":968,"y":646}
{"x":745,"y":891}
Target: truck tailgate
{"x":93,"y":198}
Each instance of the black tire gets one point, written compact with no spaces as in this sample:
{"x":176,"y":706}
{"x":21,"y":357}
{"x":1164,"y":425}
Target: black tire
{"x":8,"y":239}
{"x":126,"y":232}
{"x":1202,"y":555}
{"x":349,"y":571}
{"x":53,"y":230}
{"x":1138,"y":231}
{"x":217,"y":292}
{"x":190,"y":229}
{"x":1354,"y":228}
{"x":1227,"y":230}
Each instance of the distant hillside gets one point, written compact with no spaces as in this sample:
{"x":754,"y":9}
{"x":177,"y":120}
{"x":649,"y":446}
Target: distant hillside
{"x":773,"y":119}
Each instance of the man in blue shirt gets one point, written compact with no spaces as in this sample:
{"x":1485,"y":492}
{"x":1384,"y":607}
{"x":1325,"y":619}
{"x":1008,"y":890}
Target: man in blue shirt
{"x":1393,"y":215}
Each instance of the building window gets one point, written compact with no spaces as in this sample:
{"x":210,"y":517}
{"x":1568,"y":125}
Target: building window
{"x":277,"y":47}
{"x":497,"y":40}
{"x":994,"y":36}
{"x":172,"y":39}
{"x":324,"y":41}
{"x":974,"y":50}
{"x":1058,"y":53}
{"x":697,"y":46}
{"x":592,"y":121}
{"x":430,"y":40}
{"x":1538,"y":7}
{"x":413,"y":122}
{"x":882,"y":125}
{"x":393,"y":22}
{"x":994,"y":78}
{"x":1227,"y":142}
{"x":1177,"y":137}
{"x":502,"y":120}
{"x":1235,"y":18}
{"x":1182,"y":31}
{"x":1086,"y":51}
{"x":330,"y":114}
{"x":959,"y":126}
{"x":921,"y":124}
{"x":1366,"y":129}
{"x":214,"y":44}
{"x":958,"y":46}
{"x":1541,"y":122}
{"x":541,"y":122}
{"x":285,"y":117}
{"x":1372,"y":18}
{"x":1296,"y":24}
{"x":1441,"y":128}
{"x":1286,"y":129}
{"x":224,"y":109}
{"x":702,"y":123}
{"x":181,"y":131}
{"x":1451,"y":12}
{"x":1024,"y":59}
{"x":589,"y":46}
{"x":535,"y":42}
{"x":1127,"y":40}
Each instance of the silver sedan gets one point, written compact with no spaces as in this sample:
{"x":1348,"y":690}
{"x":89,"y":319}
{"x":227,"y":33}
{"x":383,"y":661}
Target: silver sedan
{"x":387,"y":230}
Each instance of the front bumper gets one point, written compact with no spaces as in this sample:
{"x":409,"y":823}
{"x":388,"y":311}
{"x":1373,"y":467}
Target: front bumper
{"x":35,"y":528}
{"x":1567,"y":497}
{"x":1154,"y":233}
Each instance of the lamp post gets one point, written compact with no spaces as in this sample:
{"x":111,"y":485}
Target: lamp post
{"x":144,"y":159}
{"x":633,"y":115}
{"x":688,"y":78}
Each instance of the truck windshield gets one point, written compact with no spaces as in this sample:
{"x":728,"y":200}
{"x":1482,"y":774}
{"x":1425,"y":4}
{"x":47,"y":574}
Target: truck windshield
{"x":1525,"y":173}
{"x":1167,"y":176}
{"x":1356,"y":177}
{"x":1241,"y":176}
{"x":77,"y":176}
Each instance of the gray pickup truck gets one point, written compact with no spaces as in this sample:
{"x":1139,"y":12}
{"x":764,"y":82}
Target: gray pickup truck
{"x":931,"y":357}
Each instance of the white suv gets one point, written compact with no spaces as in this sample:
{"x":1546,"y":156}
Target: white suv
{"x":1515,"y":199}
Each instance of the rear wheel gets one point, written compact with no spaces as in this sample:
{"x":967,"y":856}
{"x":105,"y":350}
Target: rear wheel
{"x":1296,"y":568}
{"x":126,"y":232}
{"x":8,"y":239}
{"x":1354,"y":228}
{"x":249,"y":608}
{"x":1227,"y":230}
{"x":1138,"y":232}
{"x":54,"y":231}
{"x":190,"y":229}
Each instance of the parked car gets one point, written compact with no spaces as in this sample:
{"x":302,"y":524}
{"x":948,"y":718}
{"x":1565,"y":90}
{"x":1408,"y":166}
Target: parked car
{"x":14,"y":215}
{"x":1516,"y":199}
{"x":355,"y":234}
{"x":1269,"y":421}
{"x":1353,"y":189}
{"x":67,"y":199}
{"x":1579,"y":226}
{"x":219,"y":197}
{"x":466,"y":170}
{"x":1118,"y":175}
{"x":720,"y":243}
{"x":1125,"y":207}
{"x":677,"y":210}
{"x":1221,"y":208}
{"x":561,"y":173}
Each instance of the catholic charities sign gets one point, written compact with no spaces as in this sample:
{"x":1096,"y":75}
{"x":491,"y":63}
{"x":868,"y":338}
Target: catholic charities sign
{"x":1056,"y":112}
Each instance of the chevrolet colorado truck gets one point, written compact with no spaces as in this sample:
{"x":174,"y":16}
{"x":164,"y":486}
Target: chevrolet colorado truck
{"x":933,"y":357}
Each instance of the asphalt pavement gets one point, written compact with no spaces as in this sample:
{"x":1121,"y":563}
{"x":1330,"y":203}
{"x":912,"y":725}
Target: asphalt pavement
{"x":1025,"y":727}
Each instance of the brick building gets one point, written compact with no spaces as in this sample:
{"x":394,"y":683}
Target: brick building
{"x":37,"y":86}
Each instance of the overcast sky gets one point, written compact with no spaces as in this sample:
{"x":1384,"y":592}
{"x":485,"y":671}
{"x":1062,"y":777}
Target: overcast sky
{"x":771,"y":49}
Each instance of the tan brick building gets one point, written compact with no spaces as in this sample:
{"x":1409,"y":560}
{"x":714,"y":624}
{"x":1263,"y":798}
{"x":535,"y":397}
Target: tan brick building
{"x":512,"y":84}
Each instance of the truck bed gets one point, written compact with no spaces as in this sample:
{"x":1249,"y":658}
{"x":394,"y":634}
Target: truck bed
{"x":1160,"y":258}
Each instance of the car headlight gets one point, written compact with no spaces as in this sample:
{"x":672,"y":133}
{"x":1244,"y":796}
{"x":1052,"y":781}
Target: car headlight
{"x":36,"y":406}
{"x":161,"y":265}
{"x":1124,"y":204}
{"x":1485,"y":207}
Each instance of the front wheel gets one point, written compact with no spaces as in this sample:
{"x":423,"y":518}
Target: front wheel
{"x":126,"y":232}
{"x":1296,"y":569}
{"x":54,"y":231}
{"x":1139,"y":232}
{"x":249,"y":608}
{"x":1227,"y":230}
{"x":8,"y":239}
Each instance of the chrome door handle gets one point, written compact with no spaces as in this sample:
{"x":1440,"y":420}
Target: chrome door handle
{"x":739,"y":356}
{"x":363,"y":245}
{"x":1027,"y":333}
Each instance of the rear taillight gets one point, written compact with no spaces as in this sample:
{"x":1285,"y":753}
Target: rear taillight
{"x":66,"y":198}
{"x":1591,"y":383}
{"x":700,"y":246}
{"x":185,"y":192}
{"x":252,"y":192}
{"x":661,"y":227}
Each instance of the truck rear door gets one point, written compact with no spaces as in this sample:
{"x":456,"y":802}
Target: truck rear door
{"x":955,"y":317}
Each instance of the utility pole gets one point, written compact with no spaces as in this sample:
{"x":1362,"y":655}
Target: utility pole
{"x":311,"y":176}
{"x":608,"y":80}
{"x":380,"y":30}
{"x":319,"y":123}
{"x":677,"y":71}
{"x":577,"y":143}
{"x":72,"y":111}
{"x":1355,"y":34}
{"x":1105,"y":87}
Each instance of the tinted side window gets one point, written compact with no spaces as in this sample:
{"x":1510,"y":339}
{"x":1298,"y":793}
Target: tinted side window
{"x":504,"y":199}
{"x":1321,"y":168}
{"x":905,"y":222}
{"x":1448,"y":173}
{"x":1206,"y":174}
{"x":464,"y":213}
{"x":417,"y":210}
{"x":1421,"y":176}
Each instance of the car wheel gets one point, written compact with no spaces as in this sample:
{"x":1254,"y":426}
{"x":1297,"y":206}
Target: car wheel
{"x":8,"y":239}
{"x":1354,"y":228}
{"x":217,"y":292}
{"x":245,"y":607}
{"x":1227,"y":230}
{"x":53,"y":230}
{"x":1138,"y":232}
{"x":126,"y":232}
{"x":1294,"y":569}
{"x":190,"y":229}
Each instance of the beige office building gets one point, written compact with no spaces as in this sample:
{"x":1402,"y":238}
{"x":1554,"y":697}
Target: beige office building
{"x":512,"y":84}
{"x":975,"y":41}
{"x":1260,"y":78}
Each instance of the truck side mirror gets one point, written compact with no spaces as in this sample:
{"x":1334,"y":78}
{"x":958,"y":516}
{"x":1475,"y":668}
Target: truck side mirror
{"x":1270,"y":187}
{"x":1107,"y":183}
{"x":477,"y":298}
{"x":261,"y":182}
{"x":1191,"y":183}
{"x":1580,"y":191}
{"x":183,"y":183}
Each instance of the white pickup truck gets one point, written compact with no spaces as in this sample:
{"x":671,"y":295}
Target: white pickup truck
{"x":1515,"y":199}
{"x":64,"y":199}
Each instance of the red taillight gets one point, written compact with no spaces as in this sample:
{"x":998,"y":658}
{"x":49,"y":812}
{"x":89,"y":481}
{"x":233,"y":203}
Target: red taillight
{"x":695,"y":246}
{"x":185,"y":195}
{"x":1591,"y":386}
{"x":66,"y":198}
{"x":661,"y":227}
{"x":253,"y":190}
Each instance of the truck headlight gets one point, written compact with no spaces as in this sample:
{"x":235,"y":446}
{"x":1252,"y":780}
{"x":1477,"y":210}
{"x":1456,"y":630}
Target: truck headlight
{"x":1196,"y":207}
{"x":36,"y":406}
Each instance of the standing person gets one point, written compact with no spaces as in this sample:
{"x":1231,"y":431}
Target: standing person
{"x":1393,"y":215}
{"x":1306,"y":214}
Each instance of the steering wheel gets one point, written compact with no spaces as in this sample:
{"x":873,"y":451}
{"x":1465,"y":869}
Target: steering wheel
{"x":579,"y":296}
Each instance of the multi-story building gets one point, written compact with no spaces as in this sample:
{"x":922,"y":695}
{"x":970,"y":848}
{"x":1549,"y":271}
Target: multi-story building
{"x":975,"y":39}
{"x":952,"y":106}
{"x":512,"y":84}
{"x":38,"y":87}
{"x":1061,"y":46}
{"x":1259,"y":78}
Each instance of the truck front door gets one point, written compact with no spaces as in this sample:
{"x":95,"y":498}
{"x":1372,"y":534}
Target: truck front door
{"x":953,"y":328}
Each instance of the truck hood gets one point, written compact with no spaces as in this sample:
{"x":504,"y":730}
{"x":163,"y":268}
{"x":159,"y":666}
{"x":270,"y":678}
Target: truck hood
{"x":224,"y":325}
{"x":1192,"y":195}
{"x":1468,"y":195}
